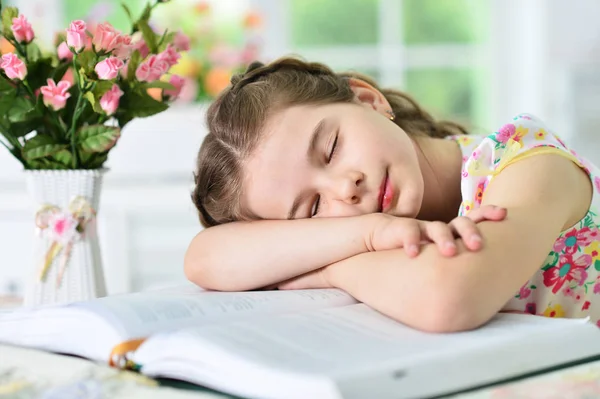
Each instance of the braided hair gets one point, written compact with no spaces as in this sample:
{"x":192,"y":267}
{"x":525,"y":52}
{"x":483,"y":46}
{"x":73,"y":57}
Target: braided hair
{"x":238,"y":115}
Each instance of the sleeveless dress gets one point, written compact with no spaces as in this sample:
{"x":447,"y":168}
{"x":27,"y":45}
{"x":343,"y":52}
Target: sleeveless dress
{"x":567,"y":284}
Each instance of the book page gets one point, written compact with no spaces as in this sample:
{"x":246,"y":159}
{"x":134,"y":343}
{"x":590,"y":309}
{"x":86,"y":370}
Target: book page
{"x":359,"y":349}
{"x":339,"y":339}
{"x":141,"y":314}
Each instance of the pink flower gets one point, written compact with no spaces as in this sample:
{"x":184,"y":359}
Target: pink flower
{"x":597,"y":182}
{"x":22,"y":30}
{"x":169,"y":55}
{"x":567,"y":269}
{"x":577,"y":296}
{"x":62,"y":227}
{"x":177,"y":82}
{"x":530,"y":308}
{"x":181,"y":41}
{"x":151,"y":70}
{"x":586,"y":305}
{"x":106,"y":37}
{"x":123,"y":48}
{"x":64,"y":52}
{"x":525,"y":291}
{"x":109,"y":68}
{"x":139,"y":44}
{"x":56,"y":95}
{"x":567,"y":291}
{"x":110,"y":100}
{"x":76,"y":35}
{"x":224,"y":56}
{"x":13,"y":66}
{"x":572,"y":240}
{"x":506,"y":132}
{"x":597,"y":288}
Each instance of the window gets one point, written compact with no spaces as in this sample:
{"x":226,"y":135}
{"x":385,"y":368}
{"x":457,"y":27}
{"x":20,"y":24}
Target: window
{"x":433,"y":49}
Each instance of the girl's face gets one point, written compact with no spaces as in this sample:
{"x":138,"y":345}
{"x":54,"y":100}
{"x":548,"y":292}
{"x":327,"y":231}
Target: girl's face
{"x":334,"y":160}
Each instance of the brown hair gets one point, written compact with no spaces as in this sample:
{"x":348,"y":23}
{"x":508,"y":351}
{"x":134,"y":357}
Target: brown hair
{"x":237,"y":116}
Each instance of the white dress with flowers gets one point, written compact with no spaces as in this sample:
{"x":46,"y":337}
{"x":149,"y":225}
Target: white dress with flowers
{"x":568,"y":282}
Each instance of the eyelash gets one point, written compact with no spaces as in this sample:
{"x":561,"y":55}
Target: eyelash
{"x":332,"y":153}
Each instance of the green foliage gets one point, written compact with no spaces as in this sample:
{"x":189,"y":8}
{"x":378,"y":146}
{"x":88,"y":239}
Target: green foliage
{"x":78,"y":134}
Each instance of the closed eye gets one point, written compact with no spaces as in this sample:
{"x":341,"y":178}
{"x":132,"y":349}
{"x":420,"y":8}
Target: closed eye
{"x":332,"y":152}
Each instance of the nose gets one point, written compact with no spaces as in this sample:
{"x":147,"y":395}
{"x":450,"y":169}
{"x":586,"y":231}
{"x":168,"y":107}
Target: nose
{"x":348,"y":188}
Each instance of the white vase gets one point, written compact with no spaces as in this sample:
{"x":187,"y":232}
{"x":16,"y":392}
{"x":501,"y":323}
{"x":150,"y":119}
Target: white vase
{"x":67,"y":263}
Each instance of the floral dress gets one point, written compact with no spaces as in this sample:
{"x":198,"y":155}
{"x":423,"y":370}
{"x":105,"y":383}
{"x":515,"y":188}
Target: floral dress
{"x":568,"y":282}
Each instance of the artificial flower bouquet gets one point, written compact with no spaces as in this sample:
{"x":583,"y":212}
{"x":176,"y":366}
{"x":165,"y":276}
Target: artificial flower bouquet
{"x":65,"y":109}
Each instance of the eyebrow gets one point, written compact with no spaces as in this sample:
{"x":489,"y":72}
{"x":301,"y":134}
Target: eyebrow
{"x":312,"y":148}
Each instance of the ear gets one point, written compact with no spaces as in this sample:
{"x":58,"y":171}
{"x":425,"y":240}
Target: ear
{"x":368,"y":96}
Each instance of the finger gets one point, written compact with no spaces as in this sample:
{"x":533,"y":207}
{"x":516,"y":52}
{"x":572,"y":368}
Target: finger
{"x":410,"y":236}
{"x":467,"y":229}
{"x":441,"y":234}
{"x":487,"y":212}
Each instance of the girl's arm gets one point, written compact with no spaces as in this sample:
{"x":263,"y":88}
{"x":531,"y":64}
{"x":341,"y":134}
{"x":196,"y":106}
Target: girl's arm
{"x":247,"y":255}
{"x":543,"y":194}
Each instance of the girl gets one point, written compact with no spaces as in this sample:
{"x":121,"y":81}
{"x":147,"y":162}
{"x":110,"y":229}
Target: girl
{"x":315,"y":180}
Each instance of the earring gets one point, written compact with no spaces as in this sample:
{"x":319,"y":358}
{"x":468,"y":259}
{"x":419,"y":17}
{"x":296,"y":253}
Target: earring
{"x":392,"y":116}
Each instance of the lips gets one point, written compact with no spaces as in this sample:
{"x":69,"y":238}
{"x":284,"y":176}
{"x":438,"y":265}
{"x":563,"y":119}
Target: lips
{"x":386,"y":194}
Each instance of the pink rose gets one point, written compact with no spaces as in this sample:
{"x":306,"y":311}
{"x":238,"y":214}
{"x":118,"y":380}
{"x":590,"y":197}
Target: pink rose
{"x":13,"y":66}
{"x":106,"y":37}
{"x":109,"y":68}
{"x":76,"y":35}
{"x":110,"y":100}
{"x":181,"y":41}
{"x":123,"y":48}
{"x":64,"y":52}
{"x":56,"y":95}
{"x":170,"y":56}
{"x":177,"y":82}
{"x":22,"y":30}
{"x":139,"y":44}
{"x":152,"y":69}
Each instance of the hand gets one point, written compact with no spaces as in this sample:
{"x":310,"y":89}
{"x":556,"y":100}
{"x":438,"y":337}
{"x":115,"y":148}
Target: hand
{"x":390,"y":232}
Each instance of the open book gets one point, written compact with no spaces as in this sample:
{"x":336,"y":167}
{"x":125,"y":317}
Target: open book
{"x":298,"y":344}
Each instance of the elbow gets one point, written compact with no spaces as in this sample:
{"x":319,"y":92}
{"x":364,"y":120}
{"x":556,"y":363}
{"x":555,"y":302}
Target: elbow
{"x":451,"y":307}
{"x":202,"y":268}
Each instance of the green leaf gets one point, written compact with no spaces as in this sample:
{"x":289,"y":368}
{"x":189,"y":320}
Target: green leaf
{"x":128,"y":12}
{"x":33,"y":52}
{"x":533,"y":287}
{"x":64,"y":157}
{"x":22,"y":110}
{"x":134,"y":62}
{"x":93,"y":160}
{"x":140,"y":105}
{"x":41,"y":146}
{"x":166,"y":39}
{"x":98,"y":138}
{"x":146,"y":14}
{"x":8,"y":92}
{"x":60,"y":70}
{"x":149,"y":35}
{"x":548,"y":266}
{"x":87,"y":60}
{"x":597,"y":264}
{"x":39,"y":72}
{"x":8,"y":14}
{"x":158,"y":84}
{"x":94,"y":96}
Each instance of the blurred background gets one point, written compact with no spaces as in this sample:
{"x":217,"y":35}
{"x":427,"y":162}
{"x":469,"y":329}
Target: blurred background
{"x":477,"y":61}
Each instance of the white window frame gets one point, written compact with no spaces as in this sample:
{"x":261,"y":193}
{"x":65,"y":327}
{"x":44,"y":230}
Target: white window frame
{"x":518,"y":31}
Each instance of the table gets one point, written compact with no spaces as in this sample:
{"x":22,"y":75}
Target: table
{"x":32,"y":373}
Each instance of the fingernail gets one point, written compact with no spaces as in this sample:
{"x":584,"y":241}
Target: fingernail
{"x":413,"y":249}
{"x":450,"y":244}
{"x":476,"y":238}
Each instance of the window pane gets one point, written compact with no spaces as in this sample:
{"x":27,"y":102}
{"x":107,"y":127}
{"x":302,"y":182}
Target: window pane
{"x":333,"y":22}
{"x":443,"y":21}
{"x":100,"y":11}
{"x":446,"y":93}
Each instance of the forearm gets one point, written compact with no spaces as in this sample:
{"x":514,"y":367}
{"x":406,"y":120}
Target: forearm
{"x":247,"y":255}
{"x":415,"y":291}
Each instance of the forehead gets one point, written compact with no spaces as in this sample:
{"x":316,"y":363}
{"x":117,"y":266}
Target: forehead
{"x":274,"y":173}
